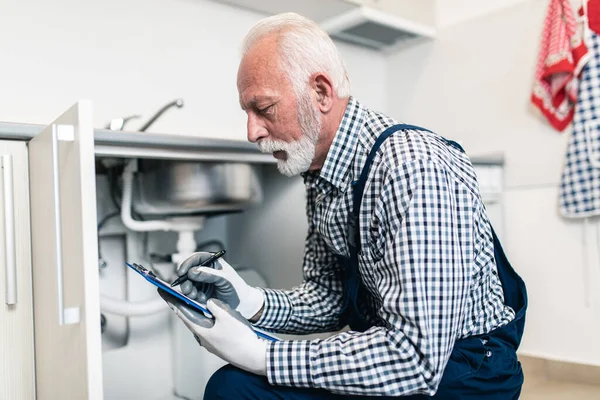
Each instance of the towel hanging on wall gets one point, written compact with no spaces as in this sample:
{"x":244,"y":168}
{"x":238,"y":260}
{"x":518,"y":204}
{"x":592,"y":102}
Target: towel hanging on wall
{"x":590,"y":12}
{"x":562,"y":56}
{"x":579,"y":192}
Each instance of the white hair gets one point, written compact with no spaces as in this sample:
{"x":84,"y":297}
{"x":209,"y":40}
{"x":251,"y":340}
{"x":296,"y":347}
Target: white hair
{"x":304,"y":48}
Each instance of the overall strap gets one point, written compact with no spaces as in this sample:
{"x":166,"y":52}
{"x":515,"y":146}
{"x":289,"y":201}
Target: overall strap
{"x":352,"y":281}
{"x":358,"y":186}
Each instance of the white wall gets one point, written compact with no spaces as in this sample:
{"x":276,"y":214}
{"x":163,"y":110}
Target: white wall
{"x":450,"y":12}
{"x":473,"y":84}
{"x":134,"y":56}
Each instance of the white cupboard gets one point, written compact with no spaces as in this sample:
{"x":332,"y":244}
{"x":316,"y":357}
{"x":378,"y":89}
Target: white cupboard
{"x":17,"y":380}
{"x":51,"y":345}
{"x":68,"y":355}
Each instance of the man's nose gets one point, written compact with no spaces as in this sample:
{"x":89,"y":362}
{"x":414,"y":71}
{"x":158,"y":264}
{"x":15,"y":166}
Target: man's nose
{"x":256,"y":130}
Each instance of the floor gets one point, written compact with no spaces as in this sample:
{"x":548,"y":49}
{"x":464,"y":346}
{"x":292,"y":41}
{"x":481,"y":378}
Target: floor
{"x":548,"y":389}
{"x":543,"y":381}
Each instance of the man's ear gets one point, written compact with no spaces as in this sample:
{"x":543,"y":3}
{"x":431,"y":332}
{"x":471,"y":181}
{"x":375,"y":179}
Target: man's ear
{"x":323,"y":89}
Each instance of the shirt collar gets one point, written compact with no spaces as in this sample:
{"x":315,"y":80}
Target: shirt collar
{"x":343,"y":148}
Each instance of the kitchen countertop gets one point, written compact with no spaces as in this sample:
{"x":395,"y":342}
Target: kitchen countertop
{"x":125,"y":144}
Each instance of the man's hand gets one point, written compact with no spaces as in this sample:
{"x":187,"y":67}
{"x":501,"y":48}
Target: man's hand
{"x":228,"y":336}
{"x":220,"y":281}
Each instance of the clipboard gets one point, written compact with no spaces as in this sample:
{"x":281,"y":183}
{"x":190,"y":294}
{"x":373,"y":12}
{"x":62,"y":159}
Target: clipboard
{"x":156,"y":281}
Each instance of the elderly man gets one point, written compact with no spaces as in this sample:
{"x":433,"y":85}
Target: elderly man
{"x":399,"y":248}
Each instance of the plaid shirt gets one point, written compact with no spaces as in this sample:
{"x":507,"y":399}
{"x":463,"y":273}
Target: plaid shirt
{"x":427,"y":265}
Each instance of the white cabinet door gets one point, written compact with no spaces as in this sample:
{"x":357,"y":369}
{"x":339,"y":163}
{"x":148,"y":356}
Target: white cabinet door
{"x":16,"y":310}
{"x":65,"y":258}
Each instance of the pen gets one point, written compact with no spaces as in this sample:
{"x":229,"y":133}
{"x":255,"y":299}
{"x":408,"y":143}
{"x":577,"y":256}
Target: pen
{"x":212,"y":258}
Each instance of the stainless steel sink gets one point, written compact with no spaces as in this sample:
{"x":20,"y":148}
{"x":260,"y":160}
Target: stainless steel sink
{"x":165,"y":187}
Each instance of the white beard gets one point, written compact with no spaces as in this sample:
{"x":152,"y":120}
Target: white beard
{"x":300,"y":153}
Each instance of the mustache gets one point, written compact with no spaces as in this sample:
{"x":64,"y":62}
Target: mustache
{"x":271,"y":146}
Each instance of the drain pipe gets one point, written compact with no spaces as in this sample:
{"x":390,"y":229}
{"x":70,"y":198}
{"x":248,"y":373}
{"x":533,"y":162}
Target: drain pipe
{"x":176,"y":225}
{"x":186,"y":245}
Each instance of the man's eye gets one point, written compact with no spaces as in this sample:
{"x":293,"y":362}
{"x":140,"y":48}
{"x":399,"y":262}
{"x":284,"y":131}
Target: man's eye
{"x":266,"y":110}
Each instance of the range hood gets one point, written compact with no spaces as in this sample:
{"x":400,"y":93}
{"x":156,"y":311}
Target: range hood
{"x":373,"y":28}
{"x":377,"y":24}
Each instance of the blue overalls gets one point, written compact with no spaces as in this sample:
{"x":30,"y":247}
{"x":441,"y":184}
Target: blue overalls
{"x":483,"y":367}
{"x":473,"y":371}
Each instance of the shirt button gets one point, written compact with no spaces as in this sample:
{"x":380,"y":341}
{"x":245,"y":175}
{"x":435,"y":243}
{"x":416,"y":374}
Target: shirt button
{"x":488,"y":353}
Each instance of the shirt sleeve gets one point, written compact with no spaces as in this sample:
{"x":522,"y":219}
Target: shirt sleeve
{"x":423,"y":279}
{"x":313,"y":306}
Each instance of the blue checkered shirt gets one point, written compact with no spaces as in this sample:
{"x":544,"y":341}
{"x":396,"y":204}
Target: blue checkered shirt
{"x":427,"y":265}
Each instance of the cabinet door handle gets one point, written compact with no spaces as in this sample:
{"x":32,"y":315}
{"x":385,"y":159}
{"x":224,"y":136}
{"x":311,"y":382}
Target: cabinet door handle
{"x":9,"y":231}
{"x":63,"y":133}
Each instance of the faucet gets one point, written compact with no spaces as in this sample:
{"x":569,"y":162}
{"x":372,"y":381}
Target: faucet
{"x":117,"y":124}
{"x":176,"y":103}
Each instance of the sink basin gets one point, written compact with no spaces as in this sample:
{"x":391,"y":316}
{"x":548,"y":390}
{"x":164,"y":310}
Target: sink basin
{"x":166,"y":187}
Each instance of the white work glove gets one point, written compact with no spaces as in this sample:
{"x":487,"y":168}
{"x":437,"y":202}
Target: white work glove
{"x":219,"y":281}
{"x":228,"y":336}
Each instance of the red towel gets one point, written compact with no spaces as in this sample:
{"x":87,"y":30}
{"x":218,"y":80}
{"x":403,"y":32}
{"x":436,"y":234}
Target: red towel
{"x":562,"y":56}
{"x":593,"y":15}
